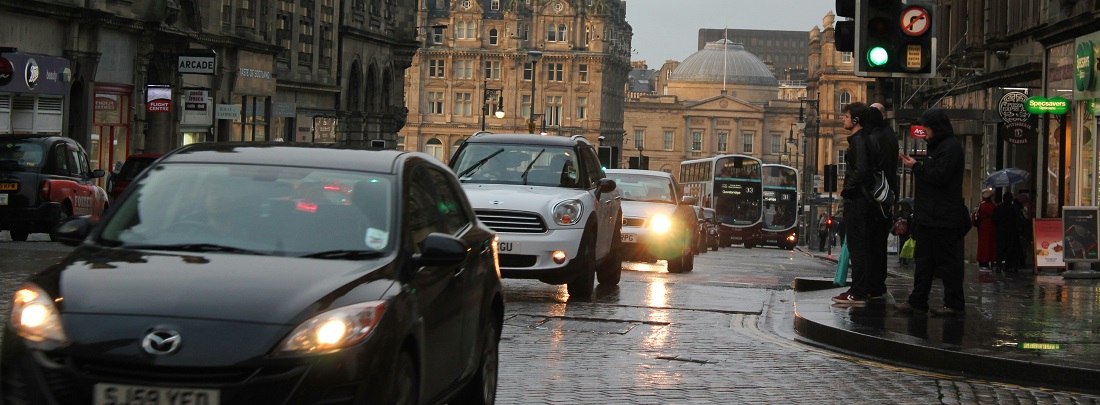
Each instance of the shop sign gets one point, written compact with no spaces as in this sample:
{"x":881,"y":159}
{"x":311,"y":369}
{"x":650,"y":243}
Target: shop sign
{"x":917,"y":132}
{"x":158,"y":98}
{"x":1018,"y":124}
{"x":228,"y":112}
{"x":105,"y":102}
{"x":7,"y":72}
{"x":324,"y":129}
{"x":202,"y":64}
{"x":39,"y":74}
{"x":283,"y":109}
{"x":1042,"y":105}
{"x":1078,"y":242}
{"x":1086,"y":65}
{"x":1047,"y":234}
{"x":194,"y":100}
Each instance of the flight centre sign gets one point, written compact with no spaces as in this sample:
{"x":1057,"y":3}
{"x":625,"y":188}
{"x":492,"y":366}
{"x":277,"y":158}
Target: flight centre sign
{"x":199,"y":64}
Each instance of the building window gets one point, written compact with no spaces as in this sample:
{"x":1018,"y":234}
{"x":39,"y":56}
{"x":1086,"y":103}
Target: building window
{"x":434,"y":147}
{"x":326,"y":46}
{"x":493,"y":36}
{"x":494,"y":5}
{"x":466,"y":30}
{"x":841,"y":164}
{"x":526,"y":29}
{"x":462,"y":103}
{"x":555,"y":72}
{"x":437,"y":35}
{"x":435,"y":102}
{"x":777,"y":144}
{"x":670,"y":140}
{"x":492,"y":70}
{"x":305,"y":42}
{"x":844,"y":99}
{"x":639,"y":139}
{"x":553,"y":110}
{"x":723,"y":140}
{"x":846,"y":57}
{"x":696,"y":141}
{"x":436,"y":68}
{"x":582,"y":72}
{"x":525,"y":106}
{"x":582,"y":108}
{"x":587,"y":34}
{"x":555,"y":33}
{"x":464,"y":69}
{"x":527,"y":71}
{"x":746,"y":142}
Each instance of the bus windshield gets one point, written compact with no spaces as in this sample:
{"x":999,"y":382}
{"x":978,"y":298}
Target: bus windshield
{"x":737,"y":191}
{"x":780,"y":197}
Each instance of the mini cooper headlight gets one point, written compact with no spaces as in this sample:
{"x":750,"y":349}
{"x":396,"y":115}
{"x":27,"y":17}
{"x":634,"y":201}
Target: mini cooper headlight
{"x":660,"y":223}
{"x":36,"y":319}
{"x":335,"y":329}
{"x":568,"y":212}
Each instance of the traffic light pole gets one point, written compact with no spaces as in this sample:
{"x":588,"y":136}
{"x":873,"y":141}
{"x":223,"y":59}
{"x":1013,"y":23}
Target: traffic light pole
{"x":831,"y":226}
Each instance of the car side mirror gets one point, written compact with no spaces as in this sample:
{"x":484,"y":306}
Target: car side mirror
{"x":689,"y":200}
{"x":73,"y":230}
{"x":605,"y":186}
{"x":440,"y":249}
{"x":97,"y":173}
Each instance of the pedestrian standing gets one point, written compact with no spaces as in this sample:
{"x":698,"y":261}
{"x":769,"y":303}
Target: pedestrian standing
{"x":859,"y":220}
{"x":822,"y":231}
{"x":883,"y":157}
{"x":987,"y":232}
{"x":940,"y":218}
{"x":901,"y":228}
{"x":1008,"y":217}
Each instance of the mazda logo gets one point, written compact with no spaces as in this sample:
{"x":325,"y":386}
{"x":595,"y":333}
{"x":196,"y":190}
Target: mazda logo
{"x":161,"y":342}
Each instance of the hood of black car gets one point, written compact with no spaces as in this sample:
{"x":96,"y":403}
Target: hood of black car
{"x":213,"y":286}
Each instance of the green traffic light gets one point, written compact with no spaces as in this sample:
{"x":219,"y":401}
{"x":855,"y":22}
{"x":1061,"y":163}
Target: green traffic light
{"x":878,"y":56}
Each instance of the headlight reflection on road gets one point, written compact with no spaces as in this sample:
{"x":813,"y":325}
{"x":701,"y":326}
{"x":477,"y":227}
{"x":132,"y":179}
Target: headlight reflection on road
{"x":657,"y":302}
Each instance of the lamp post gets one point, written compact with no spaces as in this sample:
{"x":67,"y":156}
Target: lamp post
{"x":486,"y":95}
{"x":533,"y":57}
{"x":791,"y":141}
{"x":809,"y":170}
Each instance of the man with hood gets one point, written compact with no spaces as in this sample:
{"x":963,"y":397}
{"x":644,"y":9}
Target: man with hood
{"x":883,"y":147}
{"x":940,"y":218}
{"x":858,"y":207}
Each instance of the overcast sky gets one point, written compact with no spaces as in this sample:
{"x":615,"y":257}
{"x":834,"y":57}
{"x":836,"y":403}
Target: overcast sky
{"x":669,"y":29}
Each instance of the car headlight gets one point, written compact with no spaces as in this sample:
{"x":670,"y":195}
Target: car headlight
{"x":568,"y":212}
{"x":335,"y":329}
{"x":660,"y":223}
{"x":36,"y":319}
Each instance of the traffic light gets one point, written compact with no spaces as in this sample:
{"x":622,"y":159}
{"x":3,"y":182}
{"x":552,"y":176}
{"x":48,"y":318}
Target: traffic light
{"x":829,"y":223}
{"x":844,"y":32}
{"x":895,"y":38}
{"x":830,"y":178}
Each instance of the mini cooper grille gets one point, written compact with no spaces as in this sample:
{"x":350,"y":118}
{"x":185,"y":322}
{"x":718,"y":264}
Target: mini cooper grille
{"x":633,"y":221}
{"x":514,"y":222}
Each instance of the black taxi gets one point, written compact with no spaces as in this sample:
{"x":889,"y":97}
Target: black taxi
{"x":44,"y":179}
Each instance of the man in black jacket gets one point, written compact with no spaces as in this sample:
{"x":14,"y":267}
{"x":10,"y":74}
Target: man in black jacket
{"x":857,"y":206}
{"x":883,"y":150}
{"x":940,"y":218}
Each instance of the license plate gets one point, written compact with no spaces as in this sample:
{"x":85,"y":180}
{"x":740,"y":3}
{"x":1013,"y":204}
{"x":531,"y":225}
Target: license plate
{"x":507,"y":246}
{"x":9,"y":186}
{"x":3,"y":199}
{"x":628,"y":237}
{"x":118,"y":394}
{"x":735,"y":238}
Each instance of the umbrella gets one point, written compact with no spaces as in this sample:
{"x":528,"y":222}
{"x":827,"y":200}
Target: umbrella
{"x":1006,"y":177}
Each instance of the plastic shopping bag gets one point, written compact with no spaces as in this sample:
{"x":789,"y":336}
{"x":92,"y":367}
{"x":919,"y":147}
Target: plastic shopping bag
{"x":907,"y":249}
{"x":841,"y":278}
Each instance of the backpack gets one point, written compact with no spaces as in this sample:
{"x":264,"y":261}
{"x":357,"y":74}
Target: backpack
{"x":880,"y":190}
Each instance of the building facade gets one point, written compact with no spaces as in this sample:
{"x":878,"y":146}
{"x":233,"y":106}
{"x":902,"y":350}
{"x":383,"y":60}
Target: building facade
{"x":476,"y":59}
{"x":149,"y":76}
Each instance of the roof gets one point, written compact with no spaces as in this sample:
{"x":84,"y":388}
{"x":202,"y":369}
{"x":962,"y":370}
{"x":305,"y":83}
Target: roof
{"x":289,"y":154}
{"x":528,"y":139}
{"x":724,"y":58}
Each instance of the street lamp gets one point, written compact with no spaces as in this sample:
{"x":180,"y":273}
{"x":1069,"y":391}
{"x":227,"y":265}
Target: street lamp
{"x":486,"y":95}
{"x":533,"y":57}
{"x":809,"y":170}
{"x":791,"y":141}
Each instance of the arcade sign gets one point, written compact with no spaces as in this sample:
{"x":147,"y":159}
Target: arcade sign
{"x":201,"y":64}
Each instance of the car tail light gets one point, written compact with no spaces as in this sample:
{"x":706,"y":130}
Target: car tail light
{"x":44,"y":191}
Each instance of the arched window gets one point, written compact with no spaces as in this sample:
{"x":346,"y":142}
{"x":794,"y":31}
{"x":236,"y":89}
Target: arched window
{"x":844,"y":99}
{"x":456,"y":145}
{"x":435,"y":148}
{"x":493,"y":36}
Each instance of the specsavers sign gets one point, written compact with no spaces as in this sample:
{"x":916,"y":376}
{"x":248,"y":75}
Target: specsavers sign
{"x":1053,"y":105}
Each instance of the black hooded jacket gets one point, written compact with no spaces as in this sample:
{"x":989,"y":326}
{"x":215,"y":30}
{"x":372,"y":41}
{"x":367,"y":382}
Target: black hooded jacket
{"x":938,"y":194}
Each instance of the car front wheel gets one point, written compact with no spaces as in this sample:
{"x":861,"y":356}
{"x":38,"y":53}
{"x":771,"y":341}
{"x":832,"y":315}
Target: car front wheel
{"x":611,"y":270}
{"x":482,"y":389}
{"x":581,"y":285}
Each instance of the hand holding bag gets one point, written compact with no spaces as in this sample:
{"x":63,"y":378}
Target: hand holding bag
{"x":907,"y":249}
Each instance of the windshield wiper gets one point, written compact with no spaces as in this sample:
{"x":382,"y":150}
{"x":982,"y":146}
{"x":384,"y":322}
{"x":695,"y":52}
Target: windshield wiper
{"x":197,"y":247}
{"x":532,"y":164}
{"x":478,"y":164}
{"x":350,"y":254}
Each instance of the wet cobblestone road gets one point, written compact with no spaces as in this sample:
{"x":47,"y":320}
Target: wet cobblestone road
{"x":722,"y":334}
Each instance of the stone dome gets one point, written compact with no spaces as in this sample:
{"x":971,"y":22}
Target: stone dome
{"x":740,"y":66}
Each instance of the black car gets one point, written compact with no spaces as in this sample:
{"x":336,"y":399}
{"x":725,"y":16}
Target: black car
{"x":135,"y":164}
{"x":45,"y":178}
{"x":217,"y":279}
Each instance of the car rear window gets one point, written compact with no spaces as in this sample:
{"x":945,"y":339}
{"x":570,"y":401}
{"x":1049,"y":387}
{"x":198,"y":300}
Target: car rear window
{"x":132,"y":168}
{"x":23,"y":153}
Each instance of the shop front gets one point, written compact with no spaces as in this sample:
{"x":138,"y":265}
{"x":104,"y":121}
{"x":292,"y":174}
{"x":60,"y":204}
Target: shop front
{"x":253,"y":93}
{"x":1078,"y":160}
{"x":33,"y":92}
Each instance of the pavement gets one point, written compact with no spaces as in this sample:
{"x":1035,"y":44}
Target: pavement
{"x":1029,"y":328}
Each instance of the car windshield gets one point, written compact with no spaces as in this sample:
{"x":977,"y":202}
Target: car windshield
{"x":272,"y":210}
{"x":517,"y":164}
{"x":639,"y":187}
{"x":24,"y":153}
